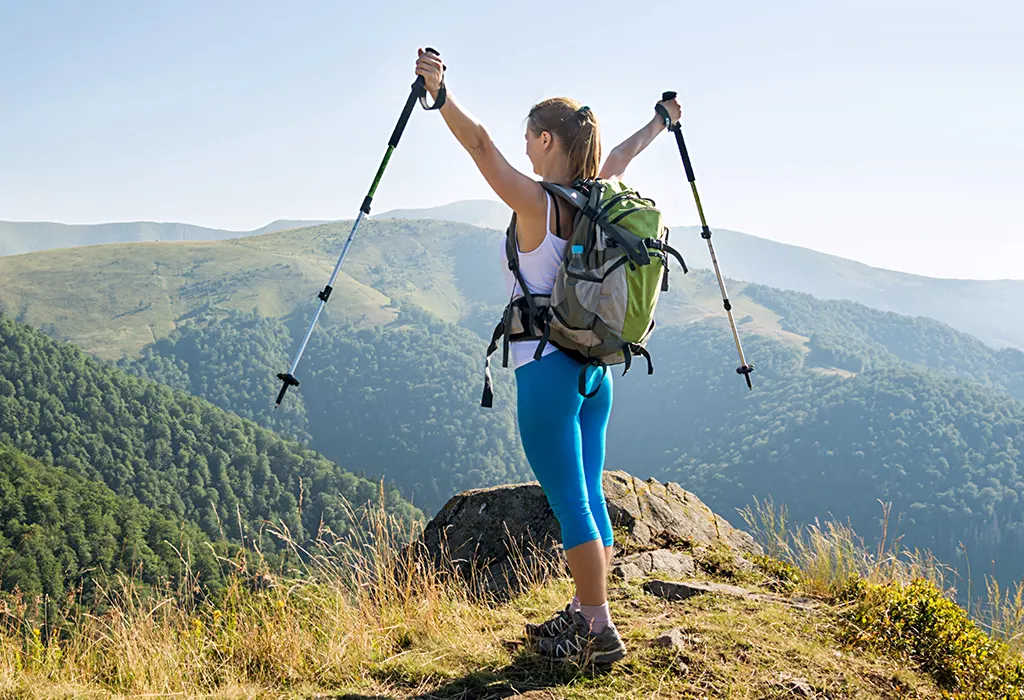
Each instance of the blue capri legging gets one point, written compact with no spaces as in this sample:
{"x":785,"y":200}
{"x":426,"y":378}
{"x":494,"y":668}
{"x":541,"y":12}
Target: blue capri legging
{"x":563,"y":436}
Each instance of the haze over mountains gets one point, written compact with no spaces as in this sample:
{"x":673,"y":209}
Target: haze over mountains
{"x":990,"y":310}
{"x":18,"y":237}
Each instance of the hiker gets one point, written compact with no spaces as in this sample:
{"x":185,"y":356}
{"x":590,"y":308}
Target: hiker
{"x":563,"y":432}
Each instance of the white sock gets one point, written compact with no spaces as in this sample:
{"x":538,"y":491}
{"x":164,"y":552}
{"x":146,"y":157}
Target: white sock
{"x":574,"y":604}
{"x":598,"y":616}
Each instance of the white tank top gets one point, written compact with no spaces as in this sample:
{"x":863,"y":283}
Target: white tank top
{"x":539,"y":268}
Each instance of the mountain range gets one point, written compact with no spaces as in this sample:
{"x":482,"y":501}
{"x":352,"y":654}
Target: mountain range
{"x":989,"y":310}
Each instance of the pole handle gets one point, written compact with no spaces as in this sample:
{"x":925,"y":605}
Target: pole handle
{"x":418,"y":85}
{"x":442,"y":93}
{"x":663,"y":113}
{"x":677,"y":129}
{"x":418,"y":92}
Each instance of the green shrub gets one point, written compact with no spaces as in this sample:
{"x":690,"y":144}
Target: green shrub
{"x":919,"y":622}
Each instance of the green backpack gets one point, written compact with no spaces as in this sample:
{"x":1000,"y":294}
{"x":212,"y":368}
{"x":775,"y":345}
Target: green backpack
{"x":601,"y":311}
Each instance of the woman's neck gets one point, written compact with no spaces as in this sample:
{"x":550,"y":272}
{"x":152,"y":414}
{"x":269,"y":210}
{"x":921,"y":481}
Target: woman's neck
{"x":558,"y":175}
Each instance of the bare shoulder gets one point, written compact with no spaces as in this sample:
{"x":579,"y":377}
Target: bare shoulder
{"x":531,"y":228}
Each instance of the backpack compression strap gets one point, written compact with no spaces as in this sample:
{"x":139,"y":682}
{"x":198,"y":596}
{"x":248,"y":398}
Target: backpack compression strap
{"x":589,"y":207}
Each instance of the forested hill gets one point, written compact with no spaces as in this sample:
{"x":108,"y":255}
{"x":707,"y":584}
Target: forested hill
{"x":401,"y":399}
{"x":851,"y":336}
{"x":174,"y":453}
{"x":59,"y":530}
{"x":850,"y":405}
{"x":947,"y":453}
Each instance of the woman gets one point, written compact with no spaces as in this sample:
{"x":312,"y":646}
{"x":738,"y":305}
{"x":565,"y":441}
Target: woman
{"x":563,"y":433}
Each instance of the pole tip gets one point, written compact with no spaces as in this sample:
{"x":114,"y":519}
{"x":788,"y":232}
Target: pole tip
{"x":745,"y":370}
{"x":287,"y":380}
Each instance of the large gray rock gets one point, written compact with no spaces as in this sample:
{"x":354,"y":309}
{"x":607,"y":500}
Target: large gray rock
{"x":494,"y":533}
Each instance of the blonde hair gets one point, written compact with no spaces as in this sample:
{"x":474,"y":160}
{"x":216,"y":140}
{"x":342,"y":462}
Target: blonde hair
{"x":576,"y":127}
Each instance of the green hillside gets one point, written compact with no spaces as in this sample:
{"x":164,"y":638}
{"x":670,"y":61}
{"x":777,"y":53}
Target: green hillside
{"x":59,"y":530}
{"x":400,"y":400}
{"x":944,"y":451}
{"x":991,"y":310}
{"x":851,"y":336}
{"x":394,"y":391}
{"x":114,"y":300}
{"x":174,"y":453}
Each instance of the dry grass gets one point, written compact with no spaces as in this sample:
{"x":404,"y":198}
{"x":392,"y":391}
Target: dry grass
{"x":833,"y":559}
{"x":357,"y":609}
{"x":366,"y":618}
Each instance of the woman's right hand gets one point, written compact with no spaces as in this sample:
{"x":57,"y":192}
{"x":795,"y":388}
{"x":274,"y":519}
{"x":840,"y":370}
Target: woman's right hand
{"x":429,"y":65}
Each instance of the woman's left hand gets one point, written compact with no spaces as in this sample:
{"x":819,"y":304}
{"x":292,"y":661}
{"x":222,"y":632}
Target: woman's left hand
{"x":432,"y":69}
{"x":675,"y":110}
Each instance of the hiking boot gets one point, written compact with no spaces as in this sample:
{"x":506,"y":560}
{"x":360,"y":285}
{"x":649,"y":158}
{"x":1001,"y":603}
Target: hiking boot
{"x":554,"y":626}
{"x":579,"y":644}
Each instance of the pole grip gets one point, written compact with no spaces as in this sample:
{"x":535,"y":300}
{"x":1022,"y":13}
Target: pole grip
{"x":663,"y":113}
{"x":677,"y":128}
{"x":414,"y":94}
{"x":418,"y":90}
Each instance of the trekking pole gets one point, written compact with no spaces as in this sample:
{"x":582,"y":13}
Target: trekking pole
{"x":705,"y":232}
{"x":418,"y":92}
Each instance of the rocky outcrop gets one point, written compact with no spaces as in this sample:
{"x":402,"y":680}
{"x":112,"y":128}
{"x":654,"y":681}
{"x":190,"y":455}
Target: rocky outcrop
{"x":495,"y":533}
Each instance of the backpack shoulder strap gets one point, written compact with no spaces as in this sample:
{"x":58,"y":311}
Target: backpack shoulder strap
{"x":573,"y":196}
{"x":511,"y":249}
{"x":512,"y":253}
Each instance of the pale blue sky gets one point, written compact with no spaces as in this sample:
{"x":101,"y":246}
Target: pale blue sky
{"x":887,"y":132}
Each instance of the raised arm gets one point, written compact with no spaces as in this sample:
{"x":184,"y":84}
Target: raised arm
{"x":521,"y":193}
{"x":625,"y":152}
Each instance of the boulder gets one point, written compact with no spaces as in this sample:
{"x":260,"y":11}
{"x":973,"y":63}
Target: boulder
{"x":494,"y":534}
